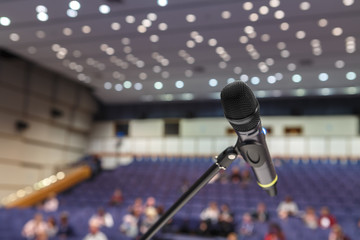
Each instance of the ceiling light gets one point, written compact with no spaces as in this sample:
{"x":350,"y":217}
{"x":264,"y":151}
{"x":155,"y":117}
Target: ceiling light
{"x":350,"y":44}
{"x":154,"y":38}
{"x":130,"y":19}
{"x":127,"y":84}
{"x":230,"y":80}
{"x":300,"y":92}
{"x":253,"y":17}
{"x":141,"y":29}
{"x":296,"y":78}
{"x":71,"y":13}
{"x":42,"y":16}
{"x":350,"y":76}
{"x":325,"y":91}
{"x":291,"y":67}
{"x":255,"y":80}
{"x":285,"y":53}
{"x":118,"y":87}
{"x":213,"y":82}
{"x":104,"y":9}
{"x":14,"y":37}
{"x":115,"y":26}
{"x":189,"y":73}
{"x":156,"y":69}
{"x":138,"y":86}
{"x":244,"y":77}
{"x":323,"y":77}
{"x":263,"y":10}
{"x":305,"y":6}
{"x":179,"y":84}
{"x":222,"y":65}
{"x":281,"y":45}
{"x":190,"y":44}
{"x":279,"y":76}
{"x":158,"y":85}
{"x":146,"y":22}
{"x":269,"y":61}
{"x":190,"y":18}
{"x":279,"y":14}
{"x":31,"y":50}
{"x":162,"y":3}
{"x":103,"y":47}
{"x":243,"y":39}
{"x":226,"y":14}
{"x":212,"y":42}
{"x":152,"y":17}
{"x":348,"y":2}
{"x":40,"y":34}
{"x":125,"y":41}
{"x":86,"y":29}
{"x":249,"y":29}
{"x":247,"y":6}
{"x":339,"y":64}
{"x":323,"y":22}
{"x":300,"y":34}
{"x":77,"y":54}
{"x":165,"y":74}
{"x":271,"y":79}
{"x":274,"y":3}
{"x":265,"y":37}
{"x":108,"y":85}
{"x":284,"y":26}
{"x":41,"y":8}
{"x":337,"y":31}
{"x":199,"y":39}
{"x":351,"y":90}
{"x":163,"y":26}
{"x":237,"y":70}
{"x":263,"y":67}
{"x":142,"y":76}
{"x":110,"y":51}
{"x":5,"y":21}
{"x":74,"y":5}
{"x":67,"y":31}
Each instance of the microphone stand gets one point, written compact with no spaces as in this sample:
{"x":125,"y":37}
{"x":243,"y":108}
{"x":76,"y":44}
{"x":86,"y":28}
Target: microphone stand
{"x":223,"y":161}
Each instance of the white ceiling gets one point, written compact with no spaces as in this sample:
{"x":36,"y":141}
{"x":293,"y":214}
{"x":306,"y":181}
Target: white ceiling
{"x":128,"y":49}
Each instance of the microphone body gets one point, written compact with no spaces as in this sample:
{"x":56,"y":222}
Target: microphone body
{"x":241,"y":109}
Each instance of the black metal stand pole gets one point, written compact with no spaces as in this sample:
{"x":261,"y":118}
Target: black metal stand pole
{"x":223,"y":161}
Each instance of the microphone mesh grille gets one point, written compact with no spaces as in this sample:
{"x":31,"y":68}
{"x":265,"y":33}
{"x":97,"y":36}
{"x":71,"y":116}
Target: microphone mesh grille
{"x":239,"y":102}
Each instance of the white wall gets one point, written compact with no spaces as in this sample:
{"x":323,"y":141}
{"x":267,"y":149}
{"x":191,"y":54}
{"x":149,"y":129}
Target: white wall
{"x":28,"y":93}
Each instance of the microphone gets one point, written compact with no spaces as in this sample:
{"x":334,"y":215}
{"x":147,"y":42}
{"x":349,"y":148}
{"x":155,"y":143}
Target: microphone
{"x":241,"y":109}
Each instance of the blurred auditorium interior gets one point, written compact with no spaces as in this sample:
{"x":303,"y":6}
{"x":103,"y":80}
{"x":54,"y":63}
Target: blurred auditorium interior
{"x":136,"y":86}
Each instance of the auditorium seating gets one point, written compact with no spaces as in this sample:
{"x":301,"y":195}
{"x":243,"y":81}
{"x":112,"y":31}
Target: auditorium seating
{"x":311,"y":182}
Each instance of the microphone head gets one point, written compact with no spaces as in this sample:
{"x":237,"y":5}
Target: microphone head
{"x":240,"y":106}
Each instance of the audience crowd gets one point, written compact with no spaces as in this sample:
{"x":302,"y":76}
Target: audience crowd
{"x":214,"y":220}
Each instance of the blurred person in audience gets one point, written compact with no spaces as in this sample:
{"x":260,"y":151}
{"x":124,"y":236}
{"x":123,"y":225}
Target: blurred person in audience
{"x":326,"y":219}
{"x":247,"y":225}
{"x":35,"y":227}
{"x":203,"y":229}
{"x":310,"y":218}
{"x":52,"y":227}
{"x":232,"y":236}
{"x":287,"y":208}
{"x":51,"y":204}
{"x":337,"y":233}
{"x":129,"y":225}
{"x":137,"y":207}
{"x":102,"y":218}
{"x":94,"y":231}
{"x":235,"y":176}
{"x":210,"y":216}
{"x":150,"y":204}
{"x":261,"y":214}
{"x":185,"y":185}
{"x":274,"y":233}
{"x":117,"y":198}
{"x":65,"y":229}
{"x":245,"y":178}
{"x":226,"y":220}
{"x":151,"y":216}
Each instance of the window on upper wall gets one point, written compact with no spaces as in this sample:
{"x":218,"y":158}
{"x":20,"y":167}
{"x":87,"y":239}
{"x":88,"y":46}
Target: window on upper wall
{"x":172,"y":127}
{"x":293,"y":131}
{"x":122,"y":128}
